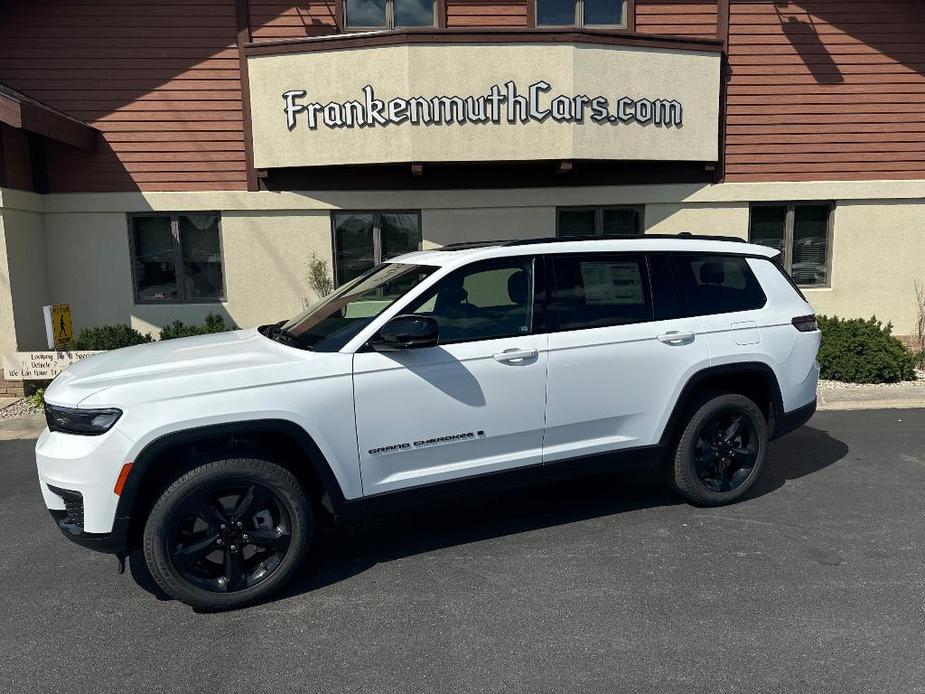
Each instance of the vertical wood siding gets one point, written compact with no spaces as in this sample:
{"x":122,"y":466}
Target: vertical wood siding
{"x":159,"y":78}
{"x":826,"y":90}
{"x":689,"y":18}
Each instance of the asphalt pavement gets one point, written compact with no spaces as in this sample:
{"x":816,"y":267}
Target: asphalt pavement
{"x":815,"y":583}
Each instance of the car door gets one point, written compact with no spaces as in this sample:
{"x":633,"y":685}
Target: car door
{"x":620,"y":350}
{"x":475,"y":403}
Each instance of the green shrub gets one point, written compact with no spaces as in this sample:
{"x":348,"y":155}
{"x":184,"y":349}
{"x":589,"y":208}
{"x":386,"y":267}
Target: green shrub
{"x":213,"y":324}
{"x":863,"y":351}
{"x":104,"y":337}
{"x":37,"y":399}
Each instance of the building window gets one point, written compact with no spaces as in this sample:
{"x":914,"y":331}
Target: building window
{"x":387,"y":14}
{"x":598,"y":221}
{"x":802,"y":232}
{"x":362,"y":240}
{"x":581,"y":13}
{"x":177,"y":258}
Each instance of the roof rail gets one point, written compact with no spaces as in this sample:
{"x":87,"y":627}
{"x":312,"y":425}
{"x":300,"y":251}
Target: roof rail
{"x":684,"y":235}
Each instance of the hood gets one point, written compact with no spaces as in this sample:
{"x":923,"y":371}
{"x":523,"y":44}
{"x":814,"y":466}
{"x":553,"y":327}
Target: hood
{"x":209,"y":356}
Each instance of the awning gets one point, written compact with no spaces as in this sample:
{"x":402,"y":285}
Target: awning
{"x":21,"y":111}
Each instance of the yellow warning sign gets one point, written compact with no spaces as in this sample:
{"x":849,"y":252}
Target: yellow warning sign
{"x":61,"y":327}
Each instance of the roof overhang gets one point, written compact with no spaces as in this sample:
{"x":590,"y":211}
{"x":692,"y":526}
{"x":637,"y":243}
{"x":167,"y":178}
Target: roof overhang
{"x":21,"y":111}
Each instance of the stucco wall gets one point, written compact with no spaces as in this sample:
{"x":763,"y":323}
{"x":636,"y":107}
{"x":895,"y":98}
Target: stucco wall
{"x":26,"y":266}
{"x":268,"y":240}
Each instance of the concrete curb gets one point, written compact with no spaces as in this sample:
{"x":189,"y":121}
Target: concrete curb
{"x":873,"y":398}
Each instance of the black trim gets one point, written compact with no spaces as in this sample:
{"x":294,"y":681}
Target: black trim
{"x":541,"y":473}
{"x":791,"y":421}
{"x":144,"y":459}
{"x":695,"y":382}
{"x":114,"y":542}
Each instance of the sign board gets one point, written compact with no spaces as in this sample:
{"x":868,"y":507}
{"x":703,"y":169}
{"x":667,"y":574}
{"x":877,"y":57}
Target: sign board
{"x":484,"y":102}
{"x":39,"y":366}
{"x":58,"y":327}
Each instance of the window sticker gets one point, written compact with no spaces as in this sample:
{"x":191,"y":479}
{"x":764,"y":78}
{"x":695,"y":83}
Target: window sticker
{"x":612,"y":283}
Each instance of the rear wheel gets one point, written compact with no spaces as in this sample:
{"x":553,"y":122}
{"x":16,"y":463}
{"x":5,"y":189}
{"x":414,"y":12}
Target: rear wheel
{"x":228,"y":533}
{"x":721,"y":450}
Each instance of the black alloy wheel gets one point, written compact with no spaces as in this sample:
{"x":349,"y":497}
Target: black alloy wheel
{"x":228,"y":533}
{"x":228,"y":537}
{"x":720,"y":451}
{"x":726,"y":450}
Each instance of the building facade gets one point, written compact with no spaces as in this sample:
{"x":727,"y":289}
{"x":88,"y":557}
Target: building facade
{"x":164,"y":160}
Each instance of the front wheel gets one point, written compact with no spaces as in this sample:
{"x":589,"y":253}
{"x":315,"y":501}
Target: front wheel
{"x":721,"y":450}
{"x":228,"y":533}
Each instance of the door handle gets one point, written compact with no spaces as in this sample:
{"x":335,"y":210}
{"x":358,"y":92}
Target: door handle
{"x":676,"y":337}
{"x":510,"y":355}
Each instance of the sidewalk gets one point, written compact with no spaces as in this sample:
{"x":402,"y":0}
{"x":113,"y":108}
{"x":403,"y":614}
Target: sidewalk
{"x":873,"y":397}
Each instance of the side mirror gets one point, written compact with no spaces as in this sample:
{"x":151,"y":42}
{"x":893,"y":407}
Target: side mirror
{"x":406,"y":332}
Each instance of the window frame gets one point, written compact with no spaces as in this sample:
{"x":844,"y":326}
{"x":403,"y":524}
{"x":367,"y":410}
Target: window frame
{"x":178,"y":258}
{"x":626,"y":25}
{"x":346,"y":27}
{"x":377,"y":235}
{"x":786,"y":256}
{"x":599,"y":217}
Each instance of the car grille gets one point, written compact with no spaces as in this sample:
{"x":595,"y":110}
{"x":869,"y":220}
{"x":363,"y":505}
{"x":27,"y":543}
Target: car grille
{"x":73,"y":505}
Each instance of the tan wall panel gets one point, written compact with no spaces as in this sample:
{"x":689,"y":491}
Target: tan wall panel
{"x":444,"y":226}
{"x":89,"y":266}
{"x":724,"y":220}
{"x":26,"y":266}
{"x":470,"y":70}
{"x":878,"y":251}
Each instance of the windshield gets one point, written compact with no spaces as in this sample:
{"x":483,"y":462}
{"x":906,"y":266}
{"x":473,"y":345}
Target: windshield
{"x":331,"y":323}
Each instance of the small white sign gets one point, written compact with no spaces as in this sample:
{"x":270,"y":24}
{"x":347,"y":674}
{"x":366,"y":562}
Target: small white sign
{"x":39,"y":366}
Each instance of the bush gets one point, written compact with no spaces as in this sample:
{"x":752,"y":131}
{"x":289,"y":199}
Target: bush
{"x":213,"y":324}
{"x":105,"y":337}
{"x":863,"y":351}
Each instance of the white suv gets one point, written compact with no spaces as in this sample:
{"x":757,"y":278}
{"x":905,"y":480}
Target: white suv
{"x":476,"y":363}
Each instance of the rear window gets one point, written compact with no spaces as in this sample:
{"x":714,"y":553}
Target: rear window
{"x":717,"y":284}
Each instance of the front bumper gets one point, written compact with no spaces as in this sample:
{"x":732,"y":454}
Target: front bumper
{"x":84,"y":471}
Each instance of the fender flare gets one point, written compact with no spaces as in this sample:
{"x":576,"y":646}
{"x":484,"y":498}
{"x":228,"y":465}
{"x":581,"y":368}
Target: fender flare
{"x":689,"y":391}
{"x":149,"y":453}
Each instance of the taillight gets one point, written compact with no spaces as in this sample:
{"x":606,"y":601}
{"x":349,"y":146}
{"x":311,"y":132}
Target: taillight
{"x":805,"y":324}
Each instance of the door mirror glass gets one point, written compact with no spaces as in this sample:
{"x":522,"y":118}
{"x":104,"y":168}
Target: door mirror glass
{"x":406,"y":332}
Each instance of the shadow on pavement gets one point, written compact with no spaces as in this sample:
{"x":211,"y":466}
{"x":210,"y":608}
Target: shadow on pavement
{"x":351,"y":549}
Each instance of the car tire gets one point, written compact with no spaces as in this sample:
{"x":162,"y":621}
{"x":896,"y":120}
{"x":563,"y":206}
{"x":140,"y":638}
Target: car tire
{"x":228,"y":533}
{"x":720,"y":451}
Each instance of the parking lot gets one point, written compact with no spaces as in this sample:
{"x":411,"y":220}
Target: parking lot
{"x":815,"y":583}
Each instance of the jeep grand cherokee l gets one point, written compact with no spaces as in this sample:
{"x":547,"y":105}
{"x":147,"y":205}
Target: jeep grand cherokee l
{"x":473,"y":364}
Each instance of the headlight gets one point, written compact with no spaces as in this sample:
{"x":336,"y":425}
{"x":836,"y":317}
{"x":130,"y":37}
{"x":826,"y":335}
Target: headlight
{"x":86,"y":422}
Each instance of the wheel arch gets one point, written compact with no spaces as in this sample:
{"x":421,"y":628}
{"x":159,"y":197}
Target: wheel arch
{"x":756,"y":380}
{"x":147,"y":477}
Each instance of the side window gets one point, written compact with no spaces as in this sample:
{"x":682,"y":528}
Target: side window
{"x":600,"y":290}
{"x":482,"y":302}
{"x":717,"y":284}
